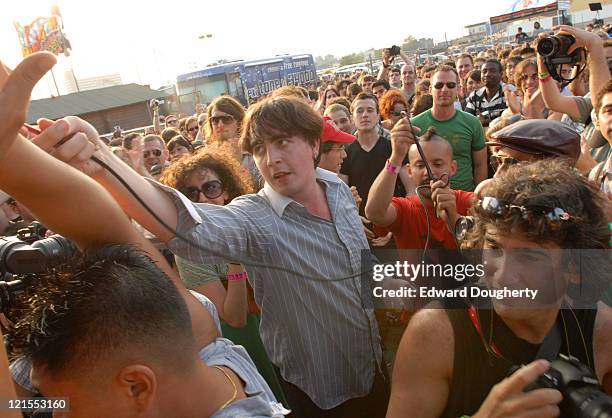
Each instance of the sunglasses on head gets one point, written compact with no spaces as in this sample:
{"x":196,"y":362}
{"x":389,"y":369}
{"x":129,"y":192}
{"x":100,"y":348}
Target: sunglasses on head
{"x":171,"y":121}
{"x":499,"y":160}
{"x":225,"y":119}
{"x":155,"y":152}
{"x":450,"y":85}
{"x":211,"y":189}
{"x":530,"y":213}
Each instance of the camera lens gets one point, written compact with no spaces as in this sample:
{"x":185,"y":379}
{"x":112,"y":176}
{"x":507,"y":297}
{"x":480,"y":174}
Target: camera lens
{"x":56,"y":248}
{"x":548,"y":46}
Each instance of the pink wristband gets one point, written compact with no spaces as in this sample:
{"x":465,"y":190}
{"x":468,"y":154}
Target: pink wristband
{"x":392,"y":168}
{"x":546,"y":79}
{"x":237,"y":277}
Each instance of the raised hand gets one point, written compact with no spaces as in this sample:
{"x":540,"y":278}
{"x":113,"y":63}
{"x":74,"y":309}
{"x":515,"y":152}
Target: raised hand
{"x":73,"y":141}
{"x":402,"y":137}
{"x":15,"y":90}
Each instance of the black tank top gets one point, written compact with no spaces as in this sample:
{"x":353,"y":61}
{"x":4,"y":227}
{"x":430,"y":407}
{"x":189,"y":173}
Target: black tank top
{"x":475,"y":371}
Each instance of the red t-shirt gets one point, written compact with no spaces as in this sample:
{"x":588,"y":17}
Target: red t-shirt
{"x":410,"y":226}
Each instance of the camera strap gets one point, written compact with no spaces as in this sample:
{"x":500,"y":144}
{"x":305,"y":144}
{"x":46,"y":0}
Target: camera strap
{"x":551,"y":346}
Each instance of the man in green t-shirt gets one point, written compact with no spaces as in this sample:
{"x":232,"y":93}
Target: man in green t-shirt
{"x":462,"y":130}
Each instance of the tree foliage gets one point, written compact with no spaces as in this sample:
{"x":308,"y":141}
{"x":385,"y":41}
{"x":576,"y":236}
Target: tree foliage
{"x":354,"y":58}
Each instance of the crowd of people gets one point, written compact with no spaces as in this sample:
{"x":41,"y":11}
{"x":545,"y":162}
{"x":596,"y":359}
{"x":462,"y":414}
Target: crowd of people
{"x":222,"y":262}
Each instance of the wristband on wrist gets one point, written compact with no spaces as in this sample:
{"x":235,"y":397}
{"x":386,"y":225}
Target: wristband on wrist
{"x":392,"y":168}
{"x":546,"y":79}
{"x":543,"y":75}
{"x":237,"y":277}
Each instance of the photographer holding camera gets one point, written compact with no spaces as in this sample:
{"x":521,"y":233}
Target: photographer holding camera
{"x":578,"y":108}
{"x":454,"y":363}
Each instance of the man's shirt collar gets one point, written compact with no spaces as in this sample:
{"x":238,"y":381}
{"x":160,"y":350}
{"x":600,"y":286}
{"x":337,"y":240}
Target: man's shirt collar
{"x":481,"y":93}
{"x":279,"y":202}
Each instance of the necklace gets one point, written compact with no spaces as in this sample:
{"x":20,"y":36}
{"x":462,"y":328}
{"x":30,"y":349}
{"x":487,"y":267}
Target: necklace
{"x":233,"y":398}
{"x":492,"y":349}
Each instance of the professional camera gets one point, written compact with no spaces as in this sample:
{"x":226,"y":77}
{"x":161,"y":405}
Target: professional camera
{"x":32,"y":233}
{"x":19,"y":261}
{"x":554,"y":50}
{"x":583,"y":397}
{"x":393,"y":51}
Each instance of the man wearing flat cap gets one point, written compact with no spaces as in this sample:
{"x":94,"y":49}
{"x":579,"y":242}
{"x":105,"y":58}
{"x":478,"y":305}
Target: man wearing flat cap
{"x":531,"y":140}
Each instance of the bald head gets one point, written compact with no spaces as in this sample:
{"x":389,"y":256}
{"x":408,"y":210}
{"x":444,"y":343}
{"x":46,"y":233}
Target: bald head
{"x":434,"y":147}
{"x":408,"y":74}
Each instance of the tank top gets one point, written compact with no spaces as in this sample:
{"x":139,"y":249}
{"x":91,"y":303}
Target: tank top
{"x":475,"y":371}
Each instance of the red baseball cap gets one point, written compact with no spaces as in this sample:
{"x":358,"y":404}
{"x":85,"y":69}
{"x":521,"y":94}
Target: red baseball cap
{"x":332,"y":134}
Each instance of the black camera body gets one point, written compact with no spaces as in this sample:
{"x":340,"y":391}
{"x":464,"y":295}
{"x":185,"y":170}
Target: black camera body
{"x":583,"y":397}
{"x":554,"y":49}
{"x":20,"y":261}
{"x":394,"y":50}
{"x":32,"y":233}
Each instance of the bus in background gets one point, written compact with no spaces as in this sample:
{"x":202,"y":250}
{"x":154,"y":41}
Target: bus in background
{"x":245,"y":80}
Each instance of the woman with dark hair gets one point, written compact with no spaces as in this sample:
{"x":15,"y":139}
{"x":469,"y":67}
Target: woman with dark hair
{"x":422,"y":103}
{"x":422,"y":87}
{"x":330,"y":93}
{"x":473,"y":82}
{"x":392,"y":104}
{"x":225,"y":116}
{"x":179,"y":146}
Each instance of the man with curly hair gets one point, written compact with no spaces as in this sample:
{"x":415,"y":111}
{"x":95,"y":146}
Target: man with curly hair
{"x":542,"y":227}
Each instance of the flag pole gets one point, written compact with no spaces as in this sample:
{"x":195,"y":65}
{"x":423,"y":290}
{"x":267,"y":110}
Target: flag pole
{"x":55,"y":82}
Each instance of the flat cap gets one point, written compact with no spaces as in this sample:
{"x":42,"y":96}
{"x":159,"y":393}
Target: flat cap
{"x":546,"y":138}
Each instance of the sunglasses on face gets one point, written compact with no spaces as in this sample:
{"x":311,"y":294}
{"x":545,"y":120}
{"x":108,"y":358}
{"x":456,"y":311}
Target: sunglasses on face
{"x":193,"y":128}
{"x":499,"y":160}
{"x":399,"y":113}
{"x":211,"y":189}
{"x":225,"y":119}
{"x":450,"y":85}
{"x":155,"y":152}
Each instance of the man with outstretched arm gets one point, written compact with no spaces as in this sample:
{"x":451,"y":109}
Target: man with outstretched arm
{"x":114,"y":333}
{"x":301,"y":241}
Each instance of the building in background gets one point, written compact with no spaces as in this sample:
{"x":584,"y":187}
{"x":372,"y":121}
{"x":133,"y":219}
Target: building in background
{"x":126,"y":106}
{"x":90,"y":83}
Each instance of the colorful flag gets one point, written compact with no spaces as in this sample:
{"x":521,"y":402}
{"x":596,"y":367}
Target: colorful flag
{"x":44,"y":34}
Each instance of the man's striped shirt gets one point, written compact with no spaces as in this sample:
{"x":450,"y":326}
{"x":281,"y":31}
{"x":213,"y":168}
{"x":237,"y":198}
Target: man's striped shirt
{"x":313,"y":321}
{"x":477,"y":103}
